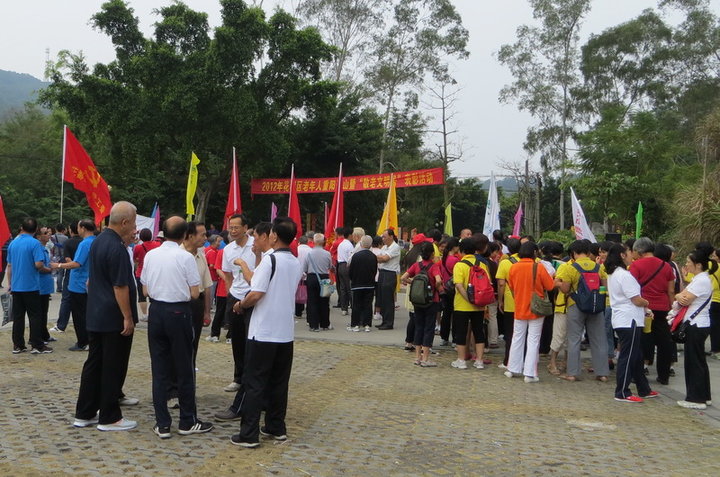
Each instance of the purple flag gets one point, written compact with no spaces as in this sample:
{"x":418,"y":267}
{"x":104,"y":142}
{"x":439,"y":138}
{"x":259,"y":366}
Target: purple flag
{"x":273,"y":211}
{"x":518,"y":220}
{"x":156,"y":223}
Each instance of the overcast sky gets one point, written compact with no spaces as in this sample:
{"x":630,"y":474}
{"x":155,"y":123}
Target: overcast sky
{"x":490,"y":132}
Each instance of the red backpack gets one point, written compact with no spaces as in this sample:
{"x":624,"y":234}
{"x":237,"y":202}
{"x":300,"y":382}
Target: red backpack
{"x":480,"y":291}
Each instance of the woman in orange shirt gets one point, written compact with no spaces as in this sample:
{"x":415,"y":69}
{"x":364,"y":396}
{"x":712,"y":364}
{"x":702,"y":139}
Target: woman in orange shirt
{"x":522,"y":285}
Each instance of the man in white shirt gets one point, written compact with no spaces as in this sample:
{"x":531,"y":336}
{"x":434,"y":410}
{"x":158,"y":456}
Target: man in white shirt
{"x":193,"y":243}
{"x":170,"y":278}
{"x":239,"y":261}
{"x":344,"y":251}
{"x":270,"y":339}
{"x":388,"y":270}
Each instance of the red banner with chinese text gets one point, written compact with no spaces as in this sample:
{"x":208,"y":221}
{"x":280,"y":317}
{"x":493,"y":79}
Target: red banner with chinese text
{"x":421,"y":177}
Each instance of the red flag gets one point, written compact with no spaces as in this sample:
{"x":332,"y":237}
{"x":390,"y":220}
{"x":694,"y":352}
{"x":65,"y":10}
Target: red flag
{"x":233,"y":202}
{"x":336,"y":218}
{"x":294,"y":205}
{"x":80,"y":171}
{"x":4,"y":229}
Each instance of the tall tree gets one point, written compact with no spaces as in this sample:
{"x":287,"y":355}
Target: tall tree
{"x":422,"y":36}
{"x":349,"y":26}
{"x":184,"y":91}
{"x":444,"y":94}
{"x":545,"y":64}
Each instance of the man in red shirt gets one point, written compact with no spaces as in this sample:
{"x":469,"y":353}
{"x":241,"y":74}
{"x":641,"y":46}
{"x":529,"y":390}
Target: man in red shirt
{"x":139,"y":252}
{"x":657,"y":286}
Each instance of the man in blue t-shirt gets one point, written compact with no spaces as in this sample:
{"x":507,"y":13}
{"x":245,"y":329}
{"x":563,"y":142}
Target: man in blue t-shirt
{"x":25,"y":259}
{"x":77,"y":284}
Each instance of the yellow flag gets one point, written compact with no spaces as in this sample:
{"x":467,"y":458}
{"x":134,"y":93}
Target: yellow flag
{"x":448,"y":220}
{"x":191,"y":186}
{"x":389,"y":218}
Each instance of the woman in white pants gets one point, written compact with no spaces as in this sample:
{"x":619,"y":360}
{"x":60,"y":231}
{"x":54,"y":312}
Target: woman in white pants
{"x":525,"y":278}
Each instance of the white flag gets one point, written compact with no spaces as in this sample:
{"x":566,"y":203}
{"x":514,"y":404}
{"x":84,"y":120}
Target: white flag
{"x":582,"y":231}
{"x":492,"y":210}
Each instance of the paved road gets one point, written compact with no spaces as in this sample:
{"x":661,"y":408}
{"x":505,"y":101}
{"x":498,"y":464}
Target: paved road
{"x":358,"y":407}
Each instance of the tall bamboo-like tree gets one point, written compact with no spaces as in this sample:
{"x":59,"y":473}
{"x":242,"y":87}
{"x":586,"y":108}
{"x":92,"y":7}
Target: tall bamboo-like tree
{"x":545,"y":64}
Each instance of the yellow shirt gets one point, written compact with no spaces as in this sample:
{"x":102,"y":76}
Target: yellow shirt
{"x":560,"y":306}
{"x":461,"y":274}
{"x":568,"y":274}
{"x":503,"y":272}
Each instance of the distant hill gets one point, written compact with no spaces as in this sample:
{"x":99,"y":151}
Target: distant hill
{"x":16,"y":89}
{"x":507,"y":184}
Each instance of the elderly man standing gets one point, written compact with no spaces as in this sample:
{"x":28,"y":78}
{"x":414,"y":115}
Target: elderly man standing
{"x":193,"y":243}
{"x":362,"y":270}
{"x":170,"y":278}
{"x":389,"y":260}
{"x":111,"y":318}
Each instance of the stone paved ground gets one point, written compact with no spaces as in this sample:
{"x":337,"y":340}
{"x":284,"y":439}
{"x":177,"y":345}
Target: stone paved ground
{"x":355,"y":409}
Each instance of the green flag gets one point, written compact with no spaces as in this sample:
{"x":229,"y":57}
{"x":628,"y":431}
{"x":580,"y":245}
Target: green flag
{"x":448,"y":220}
{"x":638,"y":221}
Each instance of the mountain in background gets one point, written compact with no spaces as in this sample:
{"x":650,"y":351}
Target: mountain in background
{"x":507,"y":184}
{"x":16,"y":89}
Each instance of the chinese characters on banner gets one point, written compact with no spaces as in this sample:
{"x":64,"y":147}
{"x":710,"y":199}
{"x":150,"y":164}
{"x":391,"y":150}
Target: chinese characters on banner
{"x":422,"y":177}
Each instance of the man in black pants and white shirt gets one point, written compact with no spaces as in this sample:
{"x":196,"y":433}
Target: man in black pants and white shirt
{"x":170,"y":278}
{"x":363,"y":270}
{"x":269,"y":351}
{"x":237,"y":280}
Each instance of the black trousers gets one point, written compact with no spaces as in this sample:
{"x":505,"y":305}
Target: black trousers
{"x":219,"y":318}
{"x":318,"y":308}
{"x":27,"y":303}
{"x":78,"y":306}
{"x":387,"y":282}
{"x":343,"y":285}
{"x":44,"y":307}
{"x":660,"y":337}
{"x":715,"y":327}
{"x":630,"y":363}
{"x":546,"y":335}
{"x":238,"y":327}
{"x":170,"y":338}
{"x":266,"y":382}
{"x":410,"y":328}
{"x":697,"y":375}
{"x":362,"y":307}
{"x":197,"y":309}
{"x":446,"y":318}
{"x":425,"y":325}
{"x":103,"y":375}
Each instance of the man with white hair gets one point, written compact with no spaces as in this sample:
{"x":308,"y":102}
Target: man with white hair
{"x":362,"y":271}
{"x":110,"y":319}
{"x":344,"y":251}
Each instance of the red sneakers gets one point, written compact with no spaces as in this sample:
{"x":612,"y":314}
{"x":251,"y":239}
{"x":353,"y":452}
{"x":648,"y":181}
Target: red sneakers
{"x":651,"y":395}
{"x":630,"y":398}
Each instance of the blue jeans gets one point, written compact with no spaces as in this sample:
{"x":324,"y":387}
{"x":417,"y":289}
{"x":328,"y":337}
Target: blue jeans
{"x":64,"y":313}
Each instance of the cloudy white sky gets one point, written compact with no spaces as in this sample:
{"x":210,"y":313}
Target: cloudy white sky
{"x":490,"y":132}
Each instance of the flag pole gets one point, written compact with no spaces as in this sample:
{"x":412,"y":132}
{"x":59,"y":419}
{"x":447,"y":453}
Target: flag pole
{"x":337,"y":208}
{"x":62,"y":174}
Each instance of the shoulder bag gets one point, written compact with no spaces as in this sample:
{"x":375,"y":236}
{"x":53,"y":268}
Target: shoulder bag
{"x":327,"y":287}
{"x":540,"y":306}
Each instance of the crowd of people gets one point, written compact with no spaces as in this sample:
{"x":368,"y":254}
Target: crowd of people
{"x":622,"y":300}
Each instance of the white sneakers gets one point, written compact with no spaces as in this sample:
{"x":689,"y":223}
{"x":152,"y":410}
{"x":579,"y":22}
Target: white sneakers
{"x":367,"y":329}
{"x":353,"y":328}
{"x":479,"y":364}
{"x":232,"y":387}
{"x":377,"y":317}
{"x":532,"y":379}
{"x":121,"y":425}
{"x":344,"y":313}
{"x":508,"y":374}
{"x":128,"y":401}
{"x":86,"y":422}
{"x":55,"y":329}
{"x":459,"y":364}
{"x":212,"y":339}
{"x":692,"y":405}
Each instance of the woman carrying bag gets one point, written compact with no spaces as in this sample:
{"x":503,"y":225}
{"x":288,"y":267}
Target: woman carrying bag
{"x":696,"y":297}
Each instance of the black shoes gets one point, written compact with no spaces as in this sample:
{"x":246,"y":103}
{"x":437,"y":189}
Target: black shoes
{"x":162,"y":432}
{"x":384,"y":327}
{"x":236,"y":440}
{"x":198,"y":428}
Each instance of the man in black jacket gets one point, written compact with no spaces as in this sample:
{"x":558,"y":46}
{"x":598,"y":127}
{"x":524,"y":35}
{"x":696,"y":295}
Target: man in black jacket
{"x":362,"y":271}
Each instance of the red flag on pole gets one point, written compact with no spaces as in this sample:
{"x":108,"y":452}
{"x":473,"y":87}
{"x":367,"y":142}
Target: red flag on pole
{"x":4,"y":229}
{"x":80,"y":171}
{"x":294,"y":205}
{"x":233,"y":202}
{"x":336,"y":217}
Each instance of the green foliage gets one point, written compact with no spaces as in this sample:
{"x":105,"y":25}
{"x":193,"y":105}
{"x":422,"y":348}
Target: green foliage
{"x":565,"y":237}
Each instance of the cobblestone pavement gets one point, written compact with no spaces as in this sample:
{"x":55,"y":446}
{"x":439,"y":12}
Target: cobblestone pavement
{"x":355,"y":409}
